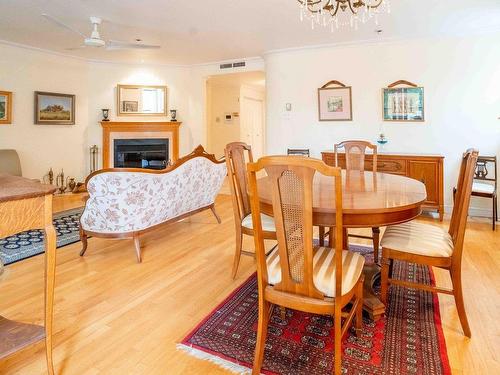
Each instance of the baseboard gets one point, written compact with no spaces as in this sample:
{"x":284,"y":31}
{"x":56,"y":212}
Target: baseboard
{"x":473,"y":211}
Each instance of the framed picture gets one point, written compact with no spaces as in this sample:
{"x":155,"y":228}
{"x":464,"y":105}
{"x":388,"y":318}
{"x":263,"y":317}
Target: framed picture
{"x":130,"y":106}
{"x":54,"y":109}
{"x":334,"y":103}
{"x":5,"y":107}
{"x":403,"y":103}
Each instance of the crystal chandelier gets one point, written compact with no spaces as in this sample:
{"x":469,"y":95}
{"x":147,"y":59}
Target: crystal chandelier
{"x":340,"y":13}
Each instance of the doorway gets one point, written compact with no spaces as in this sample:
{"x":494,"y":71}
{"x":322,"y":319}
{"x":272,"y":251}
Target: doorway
{"x":236,"y":111}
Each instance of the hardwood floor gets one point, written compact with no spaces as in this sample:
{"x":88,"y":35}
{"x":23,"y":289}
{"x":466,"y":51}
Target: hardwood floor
{"x":115,"y":316}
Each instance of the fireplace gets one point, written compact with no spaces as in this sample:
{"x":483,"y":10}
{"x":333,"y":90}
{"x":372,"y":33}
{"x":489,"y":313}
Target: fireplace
{"x":147,"y":153}
{"x":150,"y":130}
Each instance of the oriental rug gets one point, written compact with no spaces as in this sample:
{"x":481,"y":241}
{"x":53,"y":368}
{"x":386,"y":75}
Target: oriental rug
{"x":30,"y":243}
{"x":408,"y":340}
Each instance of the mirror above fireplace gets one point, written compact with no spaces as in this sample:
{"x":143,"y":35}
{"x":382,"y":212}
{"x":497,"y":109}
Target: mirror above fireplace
{"x":142,"y":100}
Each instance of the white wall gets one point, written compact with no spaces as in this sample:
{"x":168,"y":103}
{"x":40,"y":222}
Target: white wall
{"x":40,"y":147}
{"x":222,"y":99}
{"x":461,"y":78}
{"x":103,"y":79}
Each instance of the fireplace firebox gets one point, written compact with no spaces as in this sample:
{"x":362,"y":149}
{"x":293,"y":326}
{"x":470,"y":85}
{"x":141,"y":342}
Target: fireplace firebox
{"x":147,"y":153}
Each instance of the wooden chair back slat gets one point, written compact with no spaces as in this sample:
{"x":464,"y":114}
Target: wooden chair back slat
{"x":355,"y":152}
{"x":237,"y":154}
{"x":460,"y":212}
{"x":291,"y":180}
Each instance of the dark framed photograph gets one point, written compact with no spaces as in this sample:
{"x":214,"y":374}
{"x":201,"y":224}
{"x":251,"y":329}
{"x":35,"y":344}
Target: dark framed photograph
{"x":334,"y":103}
{"x":5,"y":107}
{"x":403,"y":104}
{"x":54,"y":108}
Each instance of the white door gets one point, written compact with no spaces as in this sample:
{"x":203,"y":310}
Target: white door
{"x":252,"y":112}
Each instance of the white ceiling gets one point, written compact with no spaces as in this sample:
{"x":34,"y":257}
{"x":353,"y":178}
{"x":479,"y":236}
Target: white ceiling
{"x":200,"y":31}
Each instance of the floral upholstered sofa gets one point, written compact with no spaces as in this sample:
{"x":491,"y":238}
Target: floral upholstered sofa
{"x":123,"y":203}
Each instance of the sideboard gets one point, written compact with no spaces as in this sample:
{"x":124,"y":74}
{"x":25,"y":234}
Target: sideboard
{"x":425,"y":168}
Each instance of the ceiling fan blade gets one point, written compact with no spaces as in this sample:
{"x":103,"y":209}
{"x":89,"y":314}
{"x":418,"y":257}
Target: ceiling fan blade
{"x":62,"y":24}
{"x":117,"y":44}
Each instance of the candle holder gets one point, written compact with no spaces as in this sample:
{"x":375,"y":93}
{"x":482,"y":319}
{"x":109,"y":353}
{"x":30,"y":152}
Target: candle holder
{"x":173,"y":115}
{"x":105,"y":114}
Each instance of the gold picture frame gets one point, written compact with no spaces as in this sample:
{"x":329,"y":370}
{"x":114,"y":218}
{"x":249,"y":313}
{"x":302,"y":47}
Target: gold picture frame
{"x":5,"y":107}
{"x":130,"y":102}
{"x":53,"y":108}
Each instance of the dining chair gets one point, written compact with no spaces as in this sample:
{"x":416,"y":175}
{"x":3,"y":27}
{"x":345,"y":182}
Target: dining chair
{"x":485,"y":183}
{"x":296,"y":274}
{"x":430,"y":245}
{"x":237,"y":155}
{"x":355,"y":152}
{"x":298,"y":151}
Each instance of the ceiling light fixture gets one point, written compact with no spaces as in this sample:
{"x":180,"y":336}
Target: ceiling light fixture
{"x":340,"y":13}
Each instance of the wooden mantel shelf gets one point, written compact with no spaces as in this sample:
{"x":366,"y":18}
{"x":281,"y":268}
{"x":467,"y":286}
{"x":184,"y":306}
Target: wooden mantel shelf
{"x":147,"y":127}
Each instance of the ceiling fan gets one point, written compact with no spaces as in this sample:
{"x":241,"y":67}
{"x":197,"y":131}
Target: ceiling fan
{"x":95,"y":40}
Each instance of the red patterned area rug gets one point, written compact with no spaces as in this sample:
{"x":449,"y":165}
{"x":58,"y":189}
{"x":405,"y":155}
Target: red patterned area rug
{"x":408,"y":341}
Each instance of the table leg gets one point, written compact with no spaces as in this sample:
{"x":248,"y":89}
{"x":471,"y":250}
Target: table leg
{"x":50,"y":270}
{"x":372,"y":304}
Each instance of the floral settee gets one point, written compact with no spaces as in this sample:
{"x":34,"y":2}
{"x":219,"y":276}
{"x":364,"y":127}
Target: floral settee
{"x":125,"y":203}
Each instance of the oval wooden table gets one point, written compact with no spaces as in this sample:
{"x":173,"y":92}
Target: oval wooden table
{"x":368,"y":200}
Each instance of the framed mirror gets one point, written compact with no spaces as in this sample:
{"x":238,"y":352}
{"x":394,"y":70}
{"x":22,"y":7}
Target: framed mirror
{"x":142,"y":100}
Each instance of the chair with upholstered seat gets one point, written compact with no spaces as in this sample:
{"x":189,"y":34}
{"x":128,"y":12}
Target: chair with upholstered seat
{"x":237,"y":155}
{"x":422,"y":243}
{"x":485,"y":183}
{"x":296,"y":274}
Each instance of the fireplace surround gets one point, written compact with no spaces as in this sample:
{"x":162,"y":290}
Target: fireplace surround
{"x":150,"y":130}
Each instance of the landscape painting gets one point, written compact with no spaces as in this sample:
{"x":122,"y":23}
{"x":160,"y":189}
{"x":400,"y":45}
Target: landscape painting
{"x":54,"y":109}
{"x":5,"y":107}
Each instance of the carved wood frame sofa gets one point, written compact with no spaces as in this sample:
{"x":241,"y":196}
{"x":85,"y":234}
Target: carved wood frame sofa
{"x":127,"y":202}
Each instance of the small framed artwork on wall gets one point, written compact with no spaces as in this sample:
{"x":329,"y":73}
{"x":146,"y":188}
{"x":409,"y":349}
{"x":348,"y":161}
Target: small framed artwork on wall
{"x":54,"y":109}
{"x":5,"y":107}
{"x":403,"y":103}
{"x":334,"y":103}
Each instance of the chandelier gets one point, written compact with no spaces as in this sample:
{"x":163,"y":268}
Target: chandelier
{"x":340,"y":13}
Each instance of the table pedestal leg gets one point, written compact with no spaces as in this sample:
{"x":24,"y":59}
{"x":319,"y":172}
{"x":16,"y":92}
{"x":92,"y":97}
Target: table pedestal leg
{"x":372,"y":304}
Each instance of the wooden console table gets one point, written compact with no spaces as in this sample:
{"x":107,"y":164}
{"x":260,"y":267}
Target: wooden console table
{"x":428,"y":169}
{"x":25,"y":205}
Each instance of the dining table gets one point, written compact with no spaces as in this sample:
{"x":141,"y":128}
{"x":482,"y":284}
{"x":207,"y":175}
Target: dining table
{"x":369,"y":199}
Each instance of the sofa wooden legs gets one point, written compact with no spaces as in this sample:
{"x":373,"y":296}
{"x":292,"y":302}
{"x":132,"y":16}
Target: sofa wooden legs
{"x":137,"y":244}
{"x":83,"y":238}
{"x":212,"y":207}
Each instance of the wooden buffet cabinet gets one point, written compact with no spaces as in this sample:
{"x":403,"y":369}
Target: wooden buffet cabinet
{"x":425,"y":168}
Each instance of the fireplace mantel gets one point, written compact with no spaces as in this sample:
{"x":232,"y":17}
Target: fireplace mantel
{"x":138,"y":129}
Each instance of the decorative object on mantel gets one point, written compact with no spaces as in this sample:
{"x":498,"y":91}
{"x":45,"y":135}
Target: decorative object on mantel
{"x":94,"y":162}
{"x":173,"y":115}
{"x":403,"y":103}
{"x":54,"y":109}
{"x":334,"y":103}
{"x":340,"y":13}
{"x":141,"y":100}
{"x":5,"y":107}
{"x":105,"y":114}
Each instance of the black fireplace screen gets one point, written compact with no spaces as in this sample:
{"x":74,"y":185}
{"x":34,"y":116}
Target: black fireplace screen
{"x":141,"y":153}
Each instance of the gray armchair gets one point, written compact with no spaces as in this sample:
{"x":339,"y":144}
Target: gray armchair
{"x":10,"y":163}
